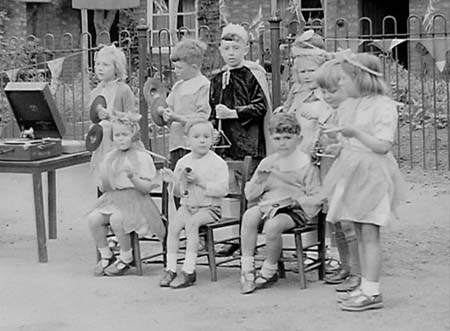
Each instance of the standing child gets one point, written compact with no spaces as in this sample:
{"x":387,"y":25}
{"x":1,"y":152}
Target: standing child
{"x":200,"y":179}
{"x":189,"y":98}
{"x":126,"y":174}
{"x":110,"y":68}
{"x":363,"y":185}
{"x":348,"y":276}
{"x":305,"y":100}
{"x":240,"y":105}
{"x":287,"y":176}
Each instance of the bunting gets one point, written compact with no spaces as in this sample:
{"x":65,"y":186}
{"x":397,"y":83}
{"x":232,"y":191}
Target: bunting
{"x":438,"y":49}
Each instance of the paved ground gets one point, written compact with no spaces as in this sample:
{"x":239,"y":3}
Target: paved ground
{"x":62,"y":295}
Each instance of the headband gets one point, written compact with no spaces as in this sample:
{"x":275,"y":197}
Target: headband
{"x":347,"y":56}
{"x":235,"y":29}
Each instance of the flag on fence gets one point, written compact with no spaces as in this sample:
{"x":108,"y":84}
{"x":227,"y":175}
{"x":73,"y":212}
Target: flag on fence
{"x":438,"y":49}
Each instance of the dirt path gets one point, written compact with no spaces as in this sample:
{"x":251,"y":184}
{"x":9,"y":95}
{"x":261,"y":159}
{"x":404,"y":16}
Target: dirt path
{"x":62,"y":295}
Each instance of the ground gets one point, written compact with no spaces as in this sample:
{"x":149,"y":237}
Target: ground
{"x":63,"y":295}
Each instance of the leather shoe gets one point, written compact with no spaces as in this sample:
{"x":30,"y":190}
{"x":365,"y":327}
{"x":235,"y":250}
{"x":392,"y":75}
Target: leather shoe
{"x":247,"y":282}
{"x":167,"y":278}
{"x":349,"y":284}
{"x":227,"y":250}
{"x":263,"y":282}
{"x":338,"y":277}
{"x":184,"y":279}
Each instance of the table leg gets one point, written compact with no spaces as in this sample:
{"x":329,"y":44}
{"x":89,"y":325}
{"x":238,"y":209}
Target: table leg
{"x":40,"y":218}
{"x":52,"y":223}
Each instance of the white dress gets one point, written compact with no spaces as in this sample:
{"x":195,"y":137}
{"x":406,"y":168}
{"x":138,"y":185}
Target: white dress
{"x":363,"y":186}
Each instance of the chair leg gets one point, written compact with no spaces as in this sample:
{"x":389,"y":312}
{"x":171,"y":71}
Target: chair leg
{"x":321,"y":247}
{"x":281,"y":268}
{"x":300,"y":263}
{"x":211,"y":254}
{"x":136,"y":252}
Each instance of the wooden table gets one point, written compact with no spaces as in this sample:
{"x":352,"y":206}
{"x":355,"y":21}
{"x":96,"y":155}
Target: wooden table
{"x":36,"y":168}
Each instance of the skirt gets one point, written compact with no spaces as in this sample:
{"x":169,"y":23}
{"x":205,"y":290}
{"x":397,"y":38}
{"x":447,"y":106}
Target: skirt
{"x":133,"y":210}
{"x":363,"y":187}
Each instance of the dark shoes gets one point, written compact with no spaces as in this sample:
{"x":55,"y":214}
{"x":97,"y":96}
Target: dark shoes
{"x":337,"y":277}
{"x":263,"y":282}
{"x":183,"y":279}
{"x":118,"y":268}
{"x":167,"y":278}
{"x":349,"y":284}
{"x":104,"y":263}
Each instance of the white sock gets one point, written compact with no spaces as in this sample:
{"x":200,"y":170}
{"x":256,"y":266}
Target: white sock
{"x":268,"y":269}
{"x":247,"y":263}
{"x":370,"y":288}
{"x":105,"y":252}
{"x":172,"y":262}
{"x":126,"y":256}
{"x":189,"y":262}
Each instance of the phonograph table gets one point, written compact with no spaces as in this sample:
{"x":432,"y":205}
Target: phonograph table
{"x":36,"y":168}
{"x":36,"y":114}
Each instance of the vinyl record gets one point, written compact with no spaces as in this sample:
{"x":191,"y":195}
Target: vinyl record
{"x":98,"y":101}
{"x":155,"y":93}
{"x":94,"y":137}
{"x":156,"y":116}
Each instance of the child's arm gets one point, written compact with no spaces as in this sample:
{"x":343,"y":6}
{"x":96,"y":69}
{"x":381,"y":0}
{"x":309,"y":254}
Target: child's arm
{"x":377,"y":145}
{"x":257,"y":184}
{"x":313,"y":197}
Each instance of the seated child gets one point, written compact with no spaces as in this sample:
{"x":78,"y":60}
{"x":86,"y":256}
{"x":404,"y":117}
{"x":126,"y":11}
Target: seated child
{"x":286,"y":176}
{"x":126,"y":175}
{"x":200,"y":179}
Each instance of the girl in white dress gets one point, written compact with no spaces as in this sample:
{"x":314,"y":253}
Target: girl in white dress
{"x":364,"y":184}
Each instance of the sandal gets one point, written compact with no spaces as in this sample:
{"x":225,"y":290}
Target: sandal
{"x":102,"y":264}
{"x":332,"y":265}
{"x":118,"y":268}
{"x":263,"y":282}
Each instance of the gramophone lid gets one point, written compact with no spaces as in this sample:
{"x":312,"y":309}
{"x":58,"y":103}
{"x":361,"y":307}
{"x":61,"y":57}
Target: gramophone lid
{"x":94,"y":137}
{"x":33,"y":107}
{"x":93,"y":113}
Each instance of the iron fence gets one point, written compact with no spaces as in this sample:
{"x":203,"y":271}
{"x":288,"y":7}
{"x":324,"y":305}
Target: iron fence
{"x":410,"y":67}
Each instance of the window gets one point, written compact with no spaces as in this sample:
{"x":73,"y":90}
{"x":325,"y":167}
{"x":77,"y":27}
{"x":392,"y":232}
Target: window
{"x":312,"y":12}
{"x":158,"y":19}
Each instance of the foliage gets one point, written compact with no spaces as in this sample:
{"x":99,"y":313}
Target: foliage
{"x":417,"y":95}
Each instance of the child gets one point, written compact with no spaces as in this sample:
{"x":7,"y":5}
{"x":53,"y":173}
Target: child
{"x":200,"y":179}
{"x":126,"y":175}
{"x":286,"y":175}
{"x":239,"y":97}
{"x":363,"y":184}
{"x":110,"y":68}
{"x":189,"y":98}
{"x":240,"y":105}
{"x":305,"y":99}
{"x":348,"y":275}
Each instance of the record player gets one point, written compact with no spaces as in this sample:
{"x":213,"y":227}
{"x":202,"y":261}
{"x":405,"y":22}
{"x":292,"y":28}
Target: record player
{"x":38,"y":119}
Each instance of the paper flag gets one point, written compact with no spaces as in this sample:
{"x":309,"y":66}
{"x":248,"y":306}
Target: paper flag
{"x":386,"y":45}
{"x":55,"y":67}
{"x":438,"y":49}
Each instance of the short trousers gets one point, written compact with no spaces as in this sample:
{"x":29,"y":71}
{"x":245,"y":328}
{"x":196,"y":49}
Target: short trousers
{"x":215,"y":212}
{"x":296,"y":214}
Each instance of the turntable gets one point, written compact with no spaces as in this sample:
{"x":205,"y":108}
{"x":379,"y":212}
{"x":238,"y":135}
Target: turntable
{"x":38,"y":119}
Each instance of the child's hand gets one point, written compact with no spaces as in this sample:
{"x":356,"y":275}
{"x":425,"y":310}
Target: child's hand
{"x":223,"y":112}
{"x":262,"y":175}
{"x":190,"y":175}
{"x":168,"y":114}
{"x":333,"y":149}
{"x":309,"y":115}
{"x":167,"y":175}
{"x":348,"y":132}
{"x":129,"y":172}
{"x":102,"y":113}
{"x":161,"y":110}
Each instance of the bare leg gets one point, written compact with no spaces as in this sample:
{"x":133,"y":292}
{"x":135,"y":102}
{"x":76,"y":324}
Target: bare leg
{"x":348,"y":229}
{"x":98,"y":225}
{"x":362,"y":256}
{"x":274,"y":229}
{"x":249,"y":230}
{"x":372,"y":250}
{"x":123,"y":238}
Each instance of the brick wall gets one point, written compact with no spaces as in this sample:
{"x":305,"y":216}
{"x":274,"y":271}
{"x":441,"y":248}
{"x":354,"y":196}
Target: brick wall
{"x":16,"y":12}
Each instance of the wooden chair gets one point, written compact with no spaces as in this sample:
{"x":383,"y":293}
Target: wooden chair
{"x":207,"y":231}
{"x":317,"y":247}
